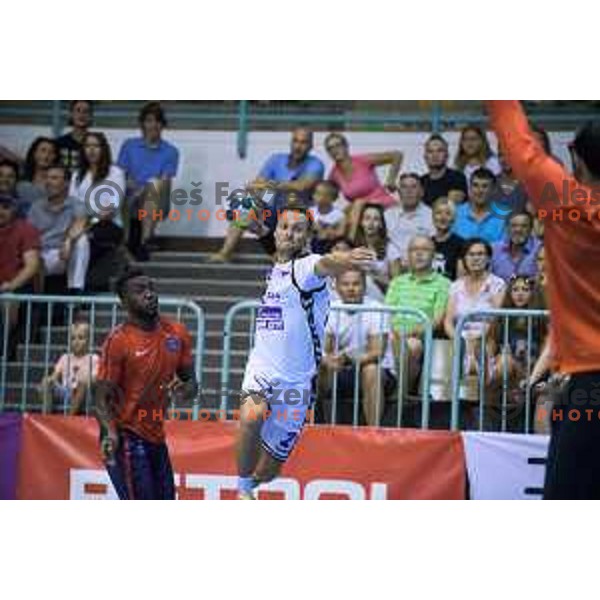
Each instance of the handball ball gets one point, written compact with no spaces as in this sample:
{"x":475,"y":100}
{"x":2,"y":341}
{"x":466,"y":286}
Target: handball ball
{"x":239,"y":206}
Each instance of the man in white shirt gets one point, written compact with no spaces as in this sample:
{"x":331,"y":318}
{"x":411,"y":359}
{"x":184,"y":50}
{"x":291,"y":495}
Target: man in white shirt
{"x":290,"y":327}
{"x":412,"y":217}
{"x":357,"y":341}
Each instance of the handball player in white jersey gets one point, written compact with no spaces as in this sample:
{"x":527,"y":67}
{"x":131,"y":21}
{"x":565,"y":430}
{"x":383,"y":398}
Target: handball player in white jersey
{"x":290,"y":327}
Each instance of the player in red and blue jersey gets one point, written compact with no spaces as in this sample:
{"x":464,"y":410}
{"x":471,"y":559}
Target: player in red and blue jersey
{"x":143,"y":361}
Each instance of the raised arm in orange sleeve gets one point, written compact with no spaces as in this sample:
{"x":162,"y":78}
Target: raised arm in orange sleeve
{"x":530,"y":163}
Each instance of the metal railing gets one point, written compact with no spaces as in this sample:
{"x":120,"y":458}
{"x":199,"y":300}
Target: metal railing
{"x":487,"y":389}
{"x":400,"y":362}
{"x":44,"y":334}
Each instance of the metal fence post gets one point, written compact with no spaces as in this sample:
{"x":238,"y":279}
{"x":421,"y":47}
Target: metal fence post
{"x":242,"y":134}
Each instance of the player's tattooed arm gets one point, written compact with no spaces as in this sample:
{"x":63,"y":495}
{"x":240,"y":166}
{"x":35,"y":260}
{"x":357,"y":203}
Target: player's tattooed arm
{"x":337,"y":262}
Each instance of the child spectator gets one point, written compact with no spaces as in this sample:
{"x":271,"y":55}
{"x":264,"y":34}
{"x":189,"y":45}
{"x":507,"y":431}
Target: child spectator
{"x":73,"y":375}
{"x":520,"y":352}
{"x":448,"y":245}
{"x":329,"y":220}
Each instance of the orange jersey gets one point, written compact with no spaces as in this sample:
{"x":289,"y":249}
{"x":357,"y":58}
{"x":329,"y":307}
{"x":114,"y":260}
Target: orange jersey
{"x":571,"y":217}
{"x":140,"y":364}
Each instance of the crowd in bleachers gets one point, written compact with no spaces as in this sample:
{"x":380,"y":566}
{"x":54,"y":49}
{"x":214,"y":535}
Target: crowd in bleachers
{"x":450,"y":240}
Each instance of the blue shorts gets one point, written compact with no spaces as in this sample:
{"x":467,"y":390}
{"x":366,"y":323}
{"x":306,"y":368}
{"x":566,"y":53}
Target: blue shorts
{"x":288,"y":404}
{"x":141,"y":470}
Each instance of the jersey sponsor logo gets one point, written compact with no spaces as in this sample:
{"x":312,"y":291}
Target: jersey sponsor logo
{"x":269,"y":318}
{"x":94,"y":484}
{"x":173,"y":344}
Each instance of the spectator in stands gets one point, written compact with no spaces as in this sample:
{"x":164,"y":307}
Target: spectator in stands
{"x":357,"y":340}
{"x":507,"y":196}
{"x":19,"y":260}
{"x":97,"y":183}
{"x":518,"y":254}
{"x":42,"y":153}
{"x":61,"y":221}
{"x":476,"y":290}
{"x":356,"y":176}
{"x":475,"y":218}
{"x":409,"y":218}
{"x":150,"y":164}
{"x":9,"y":175}
{"x":295,"y":172}
{"x":329,"y":220}
{"x":441,"y":181}
{"x":70,"y":144}
{"x":100,"y":187}
{"x":73,"y":375}
{"x":372,"y":233}
{"x":474,"y":153}
{"x":422,"y":289}
{"x":448,"y":245}
{"x":513,"y":359}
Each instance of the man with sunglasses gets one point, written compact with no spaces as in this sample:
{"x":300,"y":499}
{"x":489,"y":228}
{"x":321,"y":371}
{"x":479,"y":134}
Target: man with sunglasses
{"x":569,"y":206}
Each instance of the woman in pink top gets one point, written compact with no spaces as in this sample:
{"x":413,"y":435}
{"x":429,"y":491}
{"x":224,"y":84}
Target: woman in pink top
{"x":356,"y":176}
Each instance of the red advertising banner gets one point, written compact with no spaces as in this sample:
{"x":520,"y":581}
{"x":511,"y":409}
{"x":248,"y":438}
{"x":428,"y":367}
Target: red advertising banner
{"x":60,"y":459}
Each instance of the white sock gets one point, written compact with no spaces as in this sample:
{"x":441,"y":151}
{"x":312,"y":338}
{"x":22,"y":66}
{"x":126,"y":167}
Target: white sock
{"x":246,"y":484}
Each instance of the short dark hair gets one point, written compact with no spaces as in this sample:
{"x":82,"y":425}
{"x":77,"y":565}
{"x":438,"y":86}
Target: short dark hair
{"x":587,"y":146}
{"x":333,"y":187}
{"x":73,"y":103}
{"x":60,"y":166}
{"x":483,"y":173}
{"x":410,"y":175}
{"x":153,"y":109}
{"x":297,"y":207}
{"x":11,"y":164}
{"x":436,"y":137}
{"x":123,"y":279}
{"x":522,"y":213}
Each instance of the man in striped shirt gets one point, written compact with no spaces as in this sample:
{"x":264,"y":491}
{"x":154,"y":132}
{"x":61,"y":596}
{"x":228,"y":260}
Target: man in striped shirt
{"x":423,"y":289}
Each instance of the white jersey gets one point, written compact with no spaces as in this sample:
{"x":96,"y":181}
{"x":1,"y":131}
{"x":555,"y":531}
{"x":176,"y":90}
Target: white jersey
{"x":289,"y":329}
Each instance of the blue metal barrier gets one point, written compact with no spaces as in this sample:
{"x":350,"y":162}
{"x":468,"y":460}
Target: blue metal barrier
{"x":64,"y":309}
{"x":485,"y":319}
{"x":418,"y":316}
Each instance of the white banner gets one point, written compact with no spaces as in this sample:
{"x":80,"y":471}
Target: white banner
{"x":505,"y":466}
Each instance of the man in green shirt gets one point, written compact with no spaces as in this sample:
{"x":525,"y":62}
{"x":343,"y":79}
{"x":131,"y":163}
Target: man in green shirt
{"x":422,"y":289}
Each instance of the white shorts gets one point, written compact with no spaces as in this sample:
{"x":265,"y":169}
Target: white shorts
{"x":288,"y":404}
